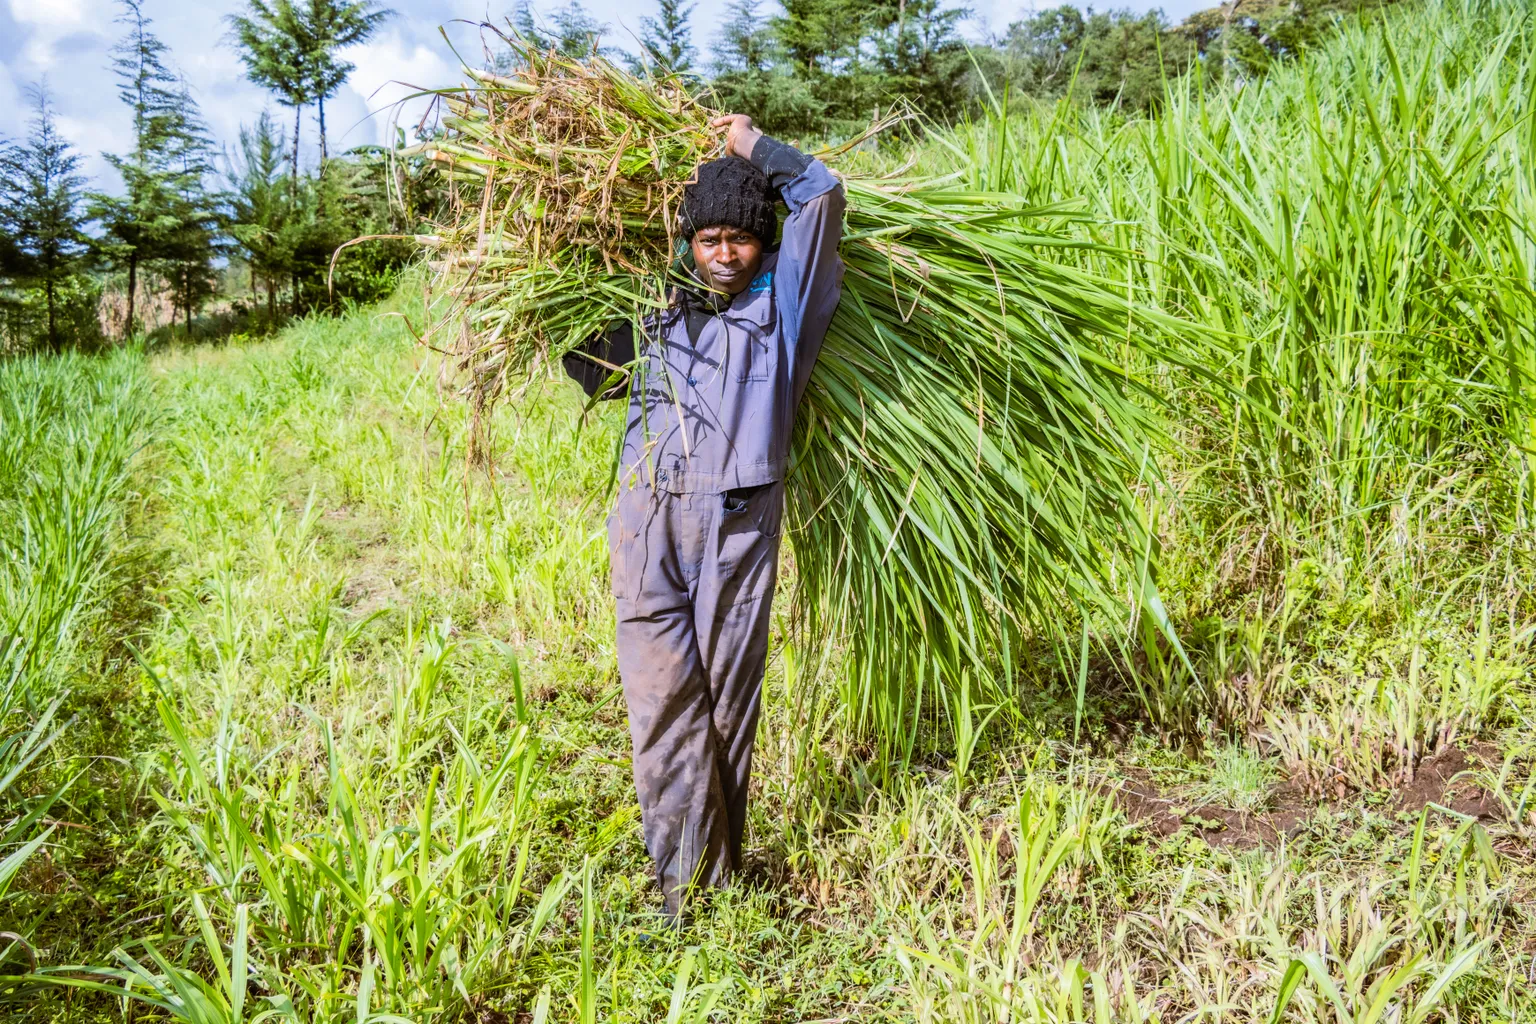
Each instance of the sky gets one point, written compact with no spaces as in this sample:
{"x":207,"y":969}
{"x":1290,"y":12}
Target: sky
{"x":65,"y":44}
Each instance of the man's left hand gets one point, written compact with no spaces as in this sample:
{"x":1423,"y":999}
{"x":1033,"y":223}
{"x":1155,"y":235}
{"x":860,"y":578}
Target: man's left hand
{"x":740,"y":136}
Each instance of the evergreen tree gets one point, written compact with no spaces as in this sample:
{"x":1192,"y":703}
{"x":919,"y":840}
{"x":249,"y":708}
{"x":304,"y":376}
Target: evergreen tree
{"x":577,"y":33}
{"x":137,"y":223}
{"x":44,"y":212}
{"x":186,"y":259}
{"x":817,"y":36}
{"x":279,"y":55}
{"x":10,"y":256}
{"x":260,"y":205}
{"x":526,"y":23}
{"x":666,"y":41}
{"x":329,"y":26}
{"x":749,"y":77}
{"x":744,"y":43}
{"x":921,"y":57}
{"x":571,"y":30}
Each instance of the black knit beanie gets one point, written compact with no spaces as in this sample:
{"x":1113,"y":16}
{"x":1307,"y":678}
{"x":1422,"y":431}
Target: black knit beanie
{"x":730,"y":191}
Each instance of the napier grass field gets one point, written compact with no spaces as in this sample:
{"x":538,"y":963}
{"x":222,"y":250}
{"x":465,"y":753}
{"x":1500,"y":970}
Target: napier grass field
{"x":305,"y":722}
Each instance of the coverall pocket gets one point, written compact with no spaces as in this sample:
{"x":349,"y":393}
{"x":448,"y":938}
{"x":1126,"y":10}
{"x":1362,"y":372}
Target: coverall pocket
{"x":752,"y":346}
{"x":760,"y":509}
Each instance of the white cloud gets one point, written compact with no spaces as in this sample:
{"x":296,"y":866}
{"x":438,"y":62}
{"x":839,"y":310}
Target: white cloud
{"x":50,"y":13}
{"x":390,"y":70}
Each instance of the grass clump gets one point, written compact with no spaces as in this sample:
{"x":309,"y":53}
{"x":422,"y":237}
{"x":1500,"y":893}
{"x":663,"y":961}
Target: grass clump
{"x":966,"y":451}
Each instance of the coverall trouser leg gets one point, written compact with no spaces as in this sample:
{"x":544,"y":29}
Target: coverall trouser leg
{"x":694,"y":579}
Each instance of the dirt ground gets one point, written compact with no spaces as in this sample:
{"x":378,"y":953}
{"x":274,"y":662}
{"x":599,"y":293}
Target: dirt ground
{"x":1444,"y":779}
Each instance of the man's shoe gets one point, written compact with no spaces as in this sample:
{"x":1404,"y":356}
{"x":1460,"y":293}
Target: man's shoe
{"x":661,"y":927}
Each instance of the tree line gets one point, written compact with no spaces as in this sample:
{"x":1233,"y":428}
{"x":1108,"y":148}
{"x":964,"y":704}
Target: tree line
{"x":828,"y":67}
{"x":188,"y":212}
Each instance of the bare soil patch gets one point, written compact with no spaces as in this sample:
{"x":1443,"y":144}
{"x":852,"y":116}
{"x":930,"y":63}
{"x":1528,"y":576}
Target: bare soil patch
{"x":1443,"y":779}
{"x":1165,"y":811}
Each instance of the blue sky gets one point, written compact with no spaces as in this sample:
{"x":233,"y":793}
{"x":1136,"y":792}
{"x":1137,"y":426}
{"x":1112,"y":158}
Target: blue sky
{"x":65,"y":42}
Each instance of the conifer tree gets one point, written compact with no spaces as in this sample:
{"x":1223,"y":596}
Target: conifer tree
{"x":137,"y":223}
{"x":9,"y":255}
{"x":753,"y":76}
{"x":577,"y":33}
{"x":191,"y":245}
{"x":743,"y":44}
{"x":666,"y":40}
{"x":278,"y":54}
{"x":45,"y":213}
{"x":329,"y":26}
{"x":526,"y":23}
{"x":818,"y":34}
{"x":572,"y":30}
{"x":260,"y":205}
{"x":920,"y":56}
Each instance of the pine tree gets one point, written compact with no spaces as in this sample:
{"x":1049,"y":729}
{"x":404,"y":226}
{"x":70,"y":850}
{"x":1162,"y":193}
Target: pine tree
{"x":278,"y":53}
{"x":137,"y":223}
{"x":571,"y":30}
{"x":330,"y":25}
{"x":191,"y":244}
{"x":526,"y":24}
{"x":666,"y":40}
{"x":577,"y":33}
{"x":921,"y":57}
{"x":260,"y":205}
{"x":744,"y":43}
{"x":10,"y":256}
{"x":752,"y":78}
{"x":817,"y":35}
{"x":44,"y":211}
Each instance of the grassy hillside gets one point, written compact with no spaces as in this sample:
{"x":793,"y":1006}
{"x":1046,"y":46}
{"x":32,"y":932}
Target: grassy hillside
{"x":314,"y":722}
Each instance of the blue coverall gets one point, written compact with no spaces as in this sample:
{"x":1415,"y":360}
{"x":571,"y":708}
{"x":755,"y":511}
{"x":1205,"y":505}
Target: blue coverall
{"x":694,"y":534}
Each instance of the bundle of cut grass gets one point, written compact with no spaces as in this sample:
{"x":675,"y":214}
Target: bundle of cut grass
{"x":965,"y":455}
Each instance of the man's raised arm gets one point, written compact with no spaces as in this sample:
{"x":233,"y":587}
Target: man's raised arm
{"x":809,"y":272}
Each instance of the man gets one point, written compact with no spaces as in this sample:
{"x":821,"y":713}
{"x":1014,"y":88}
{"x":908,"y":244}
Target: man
{"x":694,"y":535}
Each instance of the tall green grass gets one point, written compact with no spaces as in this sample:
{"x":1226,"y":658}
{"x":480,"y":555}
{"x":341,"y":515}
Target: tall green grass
{"x":1360,"y":229}
{"x":69,"y":427}
{"x":386,"y":777}
{"x":385,"y":739}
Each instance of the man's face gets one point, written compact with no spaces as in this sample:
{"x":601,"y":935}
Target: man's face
{"x":728,"y":258}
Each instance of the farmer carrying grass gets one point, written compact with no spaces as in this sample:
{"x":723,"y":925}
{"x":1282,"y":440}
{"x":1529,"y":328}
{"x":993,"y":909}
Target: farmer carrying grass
{"x":694,"y":535}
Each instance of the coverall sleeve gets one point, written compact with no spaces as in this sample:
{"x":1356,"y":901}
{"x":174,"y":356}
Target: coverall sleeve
{"x":809,"y":276}
{"x":593,"y":363}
